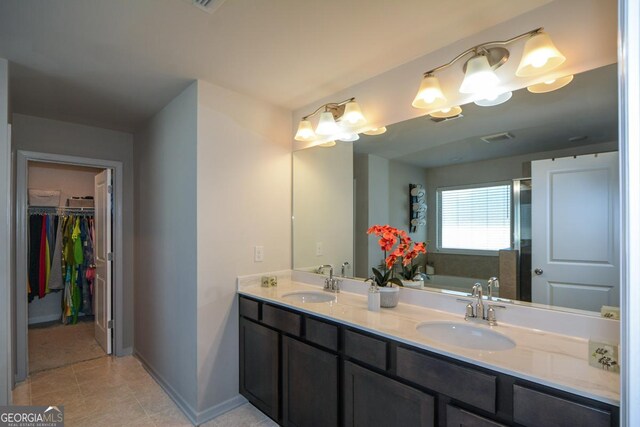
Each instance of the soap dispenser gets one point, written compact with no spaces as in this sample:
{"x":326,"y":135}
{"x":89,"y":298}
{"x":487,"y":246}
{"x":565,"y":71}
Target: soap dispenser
{"x":374,"y":298}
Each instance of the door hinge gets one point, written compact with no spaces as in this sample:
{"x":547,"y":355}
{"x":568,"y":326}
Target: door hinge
{"x":110,"y":256}
{"x":110,"y":324}
{"x":109,"y":189}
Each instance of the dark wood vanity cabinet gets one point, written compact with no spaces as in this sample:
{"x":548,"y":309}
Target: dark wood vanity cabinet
{"x":303,"y":371}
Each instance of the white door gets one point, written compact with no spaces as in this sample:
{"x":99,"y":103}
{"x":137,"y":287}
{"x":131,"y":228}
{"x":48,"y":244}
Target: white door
{"x":575,"y":227}
{"x":102,"y":283}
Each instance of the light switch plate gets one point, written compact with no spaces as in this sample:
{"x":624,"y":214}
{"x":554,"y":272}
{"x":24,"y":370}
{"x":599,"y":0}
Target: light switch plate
{"x":258,"y":253}
{"x":319,"y":249}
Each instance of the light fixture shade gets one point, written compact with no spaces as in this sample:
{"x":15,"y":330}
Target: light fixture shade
{"x":328,"y":144}
{"x":429,"y":93}
{"x":479,"y":76}
{"x":352,"y":116}
{"x":550,"y":85}
{"x":349,"y":137}
{"x":305,"y":132}
{"x":327,"y":125}
{"x":540,"y":55}
{"x":494,"y":99}
{"x":445,"y":113}
{"x":375,"y":131}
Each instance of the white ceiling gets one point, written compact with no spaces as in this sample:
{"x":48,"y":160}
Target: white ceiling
{"x":114,"y":63}
{"x":587,"y":107}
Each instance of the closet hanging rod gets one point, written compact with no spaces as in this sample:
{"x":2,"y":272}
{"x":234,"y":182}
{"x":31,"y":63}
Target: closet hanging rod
{"x":62,"y":210}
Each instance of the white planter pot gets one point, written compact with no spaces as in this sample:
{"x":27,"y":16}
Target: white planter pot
{"x":415,"y":284}
{"x":389,"y":296}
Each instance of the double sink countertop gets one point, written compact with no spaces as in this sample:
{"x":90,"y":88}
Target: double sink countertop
{"x":555,"y":360}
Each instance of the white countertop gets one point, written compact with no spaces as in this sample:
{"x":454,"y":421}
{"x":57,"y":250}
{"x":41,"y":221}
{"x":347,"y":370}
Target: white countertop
{"x":555,"y":360}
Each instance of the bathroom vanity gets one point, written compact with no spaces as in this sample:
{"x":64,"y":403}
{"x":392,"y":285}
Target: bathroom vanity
{"x":333,"y":363}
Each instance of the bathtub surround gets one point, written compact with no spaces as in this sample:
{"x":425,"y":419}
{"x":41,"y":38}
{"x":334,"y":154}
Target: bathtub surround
{"x":188,"y":155}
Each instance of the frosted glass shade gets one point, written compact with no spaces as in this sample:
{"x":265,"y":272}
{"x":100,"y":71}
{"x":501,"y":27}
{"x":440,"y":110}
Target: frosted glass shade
{"x":447,"y":112}
{"x":550,"y":85}
{"x":376,"y":131}
{"x":429,"y":93}
{"x":540,"y":55}
{"x":305,"y":132}
{"x":327,"y":125}
{"x":494,"y":99}
{"x":479,"y":76}
{"x":349,"y":137}
{"x":328,"y":144}
{"x":352,"y":116}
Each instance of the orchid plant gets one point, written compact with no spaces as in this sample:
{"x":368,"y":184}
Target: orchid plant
{"x":406,"y":251}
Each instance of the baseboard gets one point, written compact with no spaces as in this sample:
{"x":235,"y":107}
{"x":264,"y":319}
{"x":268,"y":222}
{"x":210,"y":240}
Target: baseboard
{"x":219,"y":409}
{"x":186,"y":409}
{"x":44,"y":319}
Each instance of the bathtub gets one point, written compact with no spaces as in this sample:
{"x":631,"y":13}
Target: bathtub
{"x":453,"y":283}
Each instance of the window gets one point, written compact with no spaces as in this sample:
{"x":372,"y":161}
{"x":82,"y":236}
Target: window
{"x":474,"y":218}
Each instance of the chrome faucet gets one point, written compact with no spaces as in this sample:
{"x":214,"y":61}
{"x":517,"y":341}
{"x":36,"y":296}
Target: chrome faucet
{"x":345,"y":265}
{"x":330,"y":283}
{"x":478,"y":311}
{"x":492,"y":284}
{"x":477,"y":292}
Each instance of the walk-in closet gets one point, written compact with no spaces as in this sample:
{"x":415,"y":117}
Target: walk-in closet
{"x":61,"y":263}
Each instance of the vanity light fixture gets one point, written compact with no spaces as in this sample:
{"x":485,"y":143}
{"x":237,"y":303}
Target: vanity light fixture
{"x":540,"y":55}
{"x":375,"y":131}
{"x":446,"y":113}
{"x":338,"y":120}
{"x":328,"y":144}
{"x":550,"y":85}
{"x":494,"y":99}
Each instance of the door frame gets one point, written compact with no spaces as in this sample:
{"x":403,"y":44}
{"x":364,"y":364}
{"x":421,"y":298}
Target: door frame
{"x":21,"y":318}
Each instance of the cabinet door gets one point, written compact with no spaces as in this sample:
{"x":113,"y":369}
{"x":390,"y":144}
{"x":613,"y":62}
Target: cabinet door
{"x":372,"y":400}
{"x":457,"y":417}
{"x":259,"y":366}
{"x":309,"y":385}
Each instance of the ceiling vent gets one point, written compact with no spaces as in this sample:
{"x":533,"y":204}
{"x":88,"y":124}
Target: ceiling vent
{"x":498,"y":137}
{"x":445,"y":119}
{"x":208,"y":6}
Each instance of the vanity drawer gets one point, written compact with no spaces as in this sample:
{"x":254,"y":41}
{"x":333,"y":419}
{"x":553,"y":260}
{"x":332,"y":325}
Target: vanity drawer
{"x":532,"y":408}
{"x":460,"y":383}
{"x":366,"y":349}
{"x":282,"y":320}
{"x":249,"y":308}
{"x":457,"y":417}
{"x":322,"y":333}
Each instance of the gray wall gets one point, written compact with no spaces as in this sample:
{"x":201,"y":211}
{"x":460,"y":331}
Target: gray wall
{"x":5,"y":239}
{"x":165,"y":246}
{"x":56,"y":137}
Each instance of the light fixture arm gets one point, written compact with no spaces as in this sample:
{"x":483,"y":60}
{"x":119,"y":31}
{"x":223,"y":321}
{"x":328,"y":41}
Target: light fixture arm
{"x":476,"y":49}
{"x":330,"y":106}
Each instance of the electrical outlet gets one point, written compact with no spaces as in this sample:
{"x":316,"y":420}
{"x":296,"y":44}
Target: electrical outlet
{"x":319,"y":250}
{"x":258,"y":253}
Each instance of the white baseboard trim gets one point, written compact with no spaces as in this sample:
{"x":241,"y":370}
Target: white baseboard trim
{"x":186,"y":409}
{"x":219,"y":409}
{"x":44,"y":319}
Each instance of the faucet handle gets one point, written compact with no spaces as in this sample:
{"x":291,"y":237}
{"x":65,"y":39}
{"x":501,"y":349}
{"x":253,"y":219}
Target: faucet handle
{"x":491,"y":316}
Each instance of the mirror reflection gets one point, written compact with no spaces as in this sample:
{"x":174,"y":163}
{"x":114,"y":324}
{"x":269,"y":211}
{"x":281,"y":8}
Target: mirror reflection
{"x":526,"y":191}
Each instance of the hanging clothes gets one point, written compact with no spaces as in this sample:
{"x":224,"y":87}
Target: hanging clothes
{"x":61,"y":259}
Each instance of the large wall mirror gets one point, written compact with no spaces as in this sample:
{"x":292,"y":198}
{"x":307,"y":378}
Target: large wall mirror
{"x":526,"y":191}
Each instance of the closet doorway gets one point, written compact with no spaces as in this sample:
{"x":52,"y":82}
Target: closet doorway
{"x":66,"y":229}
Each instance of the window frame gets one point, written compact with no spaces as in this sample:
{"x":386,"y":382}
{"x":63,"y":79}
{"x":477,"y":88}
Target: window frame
{"x":481,"y":252}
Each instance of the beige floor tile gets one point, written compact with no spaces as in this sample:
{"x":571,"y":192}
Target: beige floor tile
{"x":243,"y":416}
{"x":171,"y":417}
{"x":21,"y":395}
{"x":155,"y":402}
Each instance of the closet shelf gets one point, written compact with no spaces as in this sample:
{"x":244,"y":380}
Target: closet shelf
{"x":60,"y":210}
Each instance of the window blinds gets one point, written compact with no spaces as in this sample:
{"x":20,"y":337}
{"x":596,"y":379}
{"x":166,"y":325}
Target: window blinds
{"x":475,"y":218}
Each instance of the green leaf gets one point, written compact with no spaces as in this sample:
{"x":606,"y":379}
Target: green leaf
{"x":396,"y":281}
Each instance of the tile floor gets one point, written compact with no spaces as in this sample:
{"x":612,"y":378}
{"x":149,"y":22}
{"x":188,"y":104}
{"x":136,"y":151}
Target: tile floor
{"x":60,"y":345}
{"x":111,"y":391}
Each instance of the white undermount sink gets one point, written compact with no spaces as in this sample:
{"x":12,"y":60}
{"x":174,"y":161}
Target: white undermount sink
{"x":309,"y":297}
{"x":465,"y":335}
